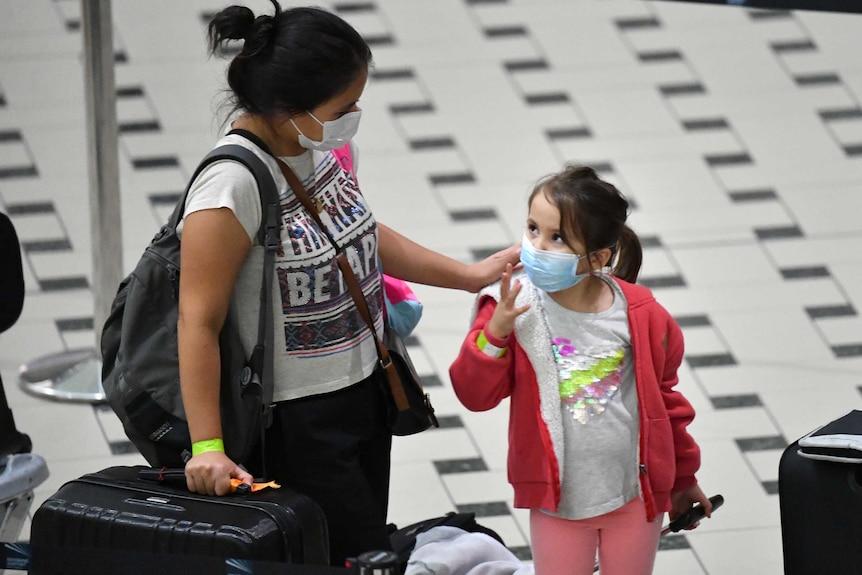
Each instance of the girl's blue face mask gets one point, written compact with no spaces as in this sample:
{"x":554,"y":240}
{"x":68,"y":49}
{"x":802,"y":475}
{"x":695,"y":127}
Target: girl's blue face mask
{"x":550,"y":271}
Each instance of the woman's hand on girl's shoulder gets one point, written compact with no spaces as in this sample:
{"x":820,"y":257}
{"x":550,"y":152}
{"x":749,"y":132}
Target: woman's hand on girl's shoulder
{"x":492,"y":267}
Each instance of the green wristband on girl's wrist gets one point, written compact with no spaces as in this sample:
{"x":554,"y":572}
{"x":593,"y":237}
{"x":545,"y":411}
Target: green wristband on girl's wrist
{"x":206,"y":445}
{"x":489,"y":348}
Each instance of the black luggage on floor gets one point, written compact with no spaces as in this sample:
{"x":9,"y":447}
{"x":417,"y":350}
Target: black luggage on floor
{"x":821,"y":514}
{"x":115,"y":514}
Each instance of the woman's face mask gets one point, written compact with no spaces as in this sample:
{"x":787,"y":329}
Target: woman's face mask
{"x":550,"y":271}
{"x":336,"y":132}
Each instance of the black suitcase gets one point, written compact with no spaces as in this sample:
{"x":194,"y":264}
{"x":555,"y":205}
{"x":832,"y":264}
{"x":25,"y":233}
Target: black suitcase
{"x":821,"y":514}
{"x":117,"y":518}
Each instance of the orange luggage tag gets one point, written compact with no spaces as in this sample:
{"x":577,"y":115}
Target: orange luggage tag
{"x":237,"y":486}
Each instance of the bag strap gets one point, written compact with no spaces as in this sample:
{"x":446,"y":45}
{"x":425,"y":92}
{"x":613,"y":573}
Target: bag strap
{"x":398,"y":393}
{"x":269,"y":236}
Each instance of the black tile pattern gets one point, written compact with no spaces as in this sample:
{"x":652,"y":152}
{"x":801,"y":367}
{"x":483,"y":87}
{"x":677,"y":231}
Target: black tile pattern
{"x":32,"y":208}
{"x":487,"y":509}
{"x":827,"y":311}
{"x":569,"y":133}
{"x":847,"y":350}
{"x":347,"y":8}
{"x":673,"y":542}
{"x":802,"y":45}
{"x":761,"y":443}
{"x":473,"y":215}
{"x":770,"y":487}
{"x":74,"y":324}
{"x":753,"y":195}
{"x":693,"y":321}
{"x":805,"y":272}
{"x":779,"y":233}
{"x":735,"y":401}
{"x":122,"y":447}
{"x":710,"y":360}
{"x":656,"y":282}
{"x":526,"y":65}
{"x":637,"y":23}
{"x":683,"y":89}
{"x":64,"y":283}
{"x":14,"y":137}
{"x":817,"y":79}
{"x":660,"y":56}
{"x":412,"y":108}
{"x":35,"y":246}
{"x":442,"y":142}
{"x":460,"y":465}
{"x":505,"y":31}
{"x":763,"y":15}
{"x":449,"y":421}
{"x":547,"y":98}
{"x":717,"y":160}
{"x":706,"y":124}
{"x":165,"y":198}
{"x":451,"y":179}
{"x":155,"y":162}
{"x":522,"y":553}
{"x":431,"y":380}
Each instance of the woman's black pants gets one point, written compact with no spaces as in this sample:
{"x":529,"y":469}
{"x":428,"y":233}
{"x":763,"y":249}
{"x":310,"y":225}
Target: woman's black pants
{"x":335,"y":448}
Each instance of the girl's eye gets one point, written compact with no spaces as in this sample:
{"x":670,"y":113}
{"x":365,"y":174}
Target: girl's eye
{"x":532,"y":229}
{"x":558,"y":239}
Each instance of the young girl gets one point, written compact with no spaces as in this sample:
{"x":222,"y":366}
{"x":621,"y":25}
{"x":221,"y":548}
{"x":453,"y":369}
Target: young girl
{"x":598,"y":447}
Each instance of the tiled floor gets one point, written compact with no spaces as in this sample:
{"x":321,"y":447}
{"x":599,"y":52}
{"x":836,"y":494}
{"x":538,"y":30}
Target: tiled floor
{"x":737,"y":134}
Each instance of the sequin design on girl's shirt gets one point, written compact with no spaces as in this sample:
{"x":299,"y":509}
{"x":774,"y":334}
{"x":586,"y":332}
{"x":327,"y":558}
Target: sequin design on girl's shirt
{"x":588,"y":378}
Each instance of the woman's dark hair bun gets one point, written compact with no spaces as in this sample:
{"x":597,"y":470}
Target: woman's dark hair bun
{"x":232,"y":23}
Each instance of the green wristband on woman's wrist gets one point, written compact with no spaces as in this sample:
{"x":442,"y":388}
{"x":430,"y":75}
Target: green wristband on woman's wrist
{"x":199,"y":447}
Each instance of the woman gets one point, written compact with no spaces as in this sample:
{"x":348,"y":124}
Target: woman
{"x":296,"y":85}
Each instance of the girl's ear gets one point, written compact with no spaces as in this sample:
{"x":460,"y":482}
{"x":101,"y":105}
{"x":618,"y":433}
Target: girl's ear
{"x":600,"y":258}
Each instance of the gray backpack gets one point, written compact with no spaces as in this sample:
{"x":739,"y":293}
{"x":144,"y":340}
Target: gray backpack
{"x":140,"y":365}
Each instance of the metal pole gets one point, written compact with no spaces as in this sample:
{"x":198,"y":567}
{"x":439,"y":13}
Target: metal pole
{"x":75,"y":375}
{"x":102,"y":152}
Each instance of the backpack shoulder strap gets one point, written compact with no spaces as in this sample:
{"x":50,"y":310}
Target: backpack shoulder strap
{"x":269,"y":202}
{"x":269,"y":236}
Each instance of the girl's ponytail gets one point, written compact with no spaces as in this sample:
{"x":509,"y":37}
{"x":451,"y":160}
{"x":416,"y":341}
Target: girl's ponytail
{"x":629,"y":255}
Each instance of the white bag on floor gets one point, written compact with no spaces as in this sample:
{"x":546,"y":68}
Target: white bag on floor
{"x":451,"y":551}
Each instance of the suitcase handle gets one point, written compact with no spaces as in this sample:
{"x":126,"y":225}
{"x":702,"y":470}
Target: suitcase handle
{"x":177,"y":478}
{"x":694,"y":515}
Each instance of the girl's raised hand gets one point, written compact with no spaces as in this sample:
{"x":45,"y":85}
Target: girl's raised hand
{"x":502,"y":322}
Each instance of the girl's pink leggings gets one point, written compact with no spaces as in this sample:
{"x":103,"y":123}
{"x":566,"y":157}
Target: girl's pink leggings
{"x":625,"y":541}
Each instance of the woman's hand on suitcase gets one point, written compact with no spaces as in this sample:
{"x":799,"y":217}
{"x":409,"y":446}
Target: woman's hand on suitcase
{"x":211,"y":473}
{"x":683,"y":501}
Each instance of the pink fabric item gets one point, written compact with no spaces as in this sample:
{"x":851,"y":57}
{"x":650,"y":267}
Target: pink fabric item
{"x":626,"y":544}
{"x":345,"y":159}
{"x":403,"y":309}
{"x":397,"y":290}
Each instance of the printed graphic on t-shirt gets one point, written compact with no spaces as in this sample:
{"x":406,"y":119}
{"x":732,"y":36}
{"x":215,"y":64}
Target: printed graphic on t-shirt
{"x":588,"y":377}
{"x":319,"y":315}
